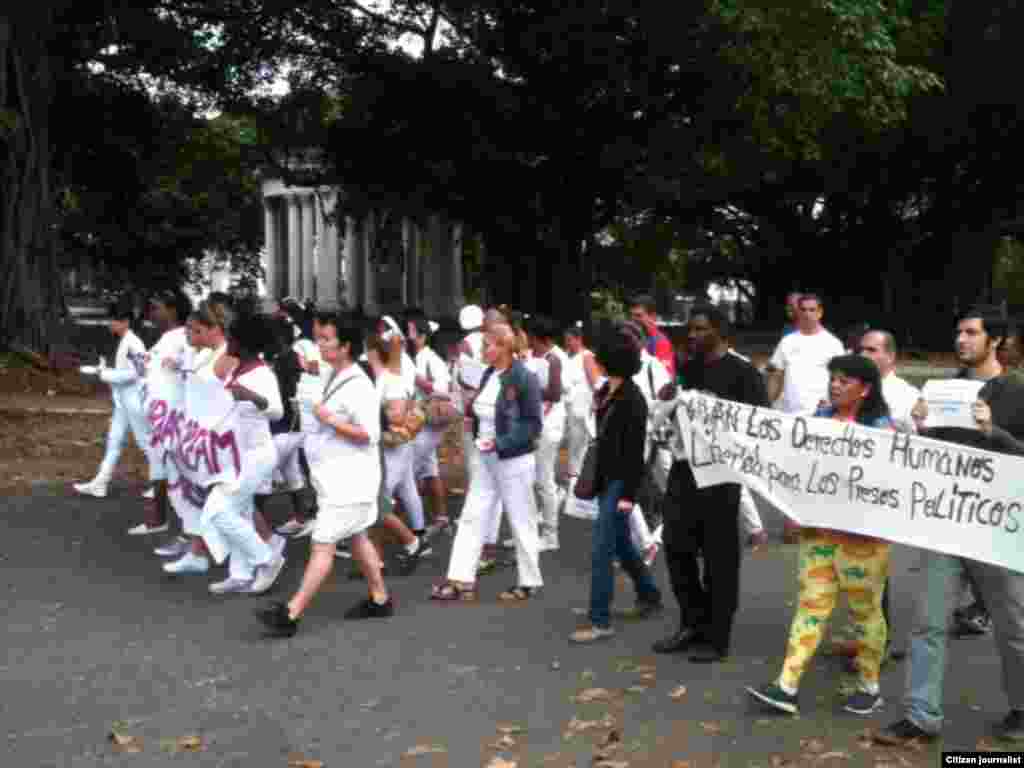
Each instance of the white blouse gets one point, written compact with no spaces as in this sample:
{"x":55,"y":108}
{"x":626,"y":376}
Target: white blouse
{"x":343,"y":471}
{"x":485,"y":406}
{"x":430,"y":366}
{"x":129,"y":371}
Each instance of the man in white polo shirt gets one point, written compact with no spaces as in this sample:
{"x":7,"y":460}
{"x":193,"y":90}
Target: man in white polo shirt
{"x":901,"y":397}
{"x":798,"y":371}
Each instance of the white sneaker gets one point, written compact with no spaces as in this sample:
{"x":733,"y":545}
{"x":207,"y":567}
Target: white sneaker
{"x":230,"y":586}
{"x":149,"y":493}
{"x":92,"y":488}
{"x":343,"y":551}
{"x":190,"y":563}
{"x":290,"y":528}
{"x":175,"y":548}
{"x":144,"y":530}
{"x":307,"y":529}
{"x":266,"y":575}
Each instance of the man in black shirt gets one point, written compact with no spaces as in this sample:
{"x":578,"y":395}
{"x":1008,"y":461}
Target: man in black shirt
{"x":705,"y":521}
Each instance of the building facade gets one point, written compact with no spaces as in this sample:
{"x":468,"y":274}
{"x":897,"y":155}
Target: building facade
{"x":375,"y":261}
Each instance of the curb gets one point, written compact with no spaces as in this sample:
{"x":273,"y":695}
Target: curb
{"x":57,"y":411}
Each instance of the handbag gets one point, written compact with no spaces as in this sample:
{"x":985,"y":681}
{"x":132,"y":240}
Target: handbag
{"x":586,"y":482}
{"x":439,"y":410}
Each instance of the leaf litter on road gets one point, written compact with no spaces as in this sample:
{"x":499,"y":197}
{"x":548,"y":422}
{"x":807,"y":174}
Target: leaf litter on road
{"x":677,"y":693}
{"x":124,"y":743}
{"x":299,"y":761}
{"x":588,"y":695}
{"x":426,"y":749}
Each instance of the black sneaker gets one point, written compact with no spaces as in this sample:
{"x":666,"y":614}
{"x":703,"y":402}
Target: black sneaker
{"x":863,"y":703}
{"x":277,"y":622}
{"x":901,"y":733}
{"x":772,"y":695}
{"x":368,"y":609}
{"x":1012,"y":726}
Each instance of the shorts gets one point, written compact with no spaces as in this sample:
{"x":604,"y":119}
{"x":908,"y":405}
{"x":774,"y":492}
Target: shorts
{"x":424,"y":463}
{"x":337,"y":522}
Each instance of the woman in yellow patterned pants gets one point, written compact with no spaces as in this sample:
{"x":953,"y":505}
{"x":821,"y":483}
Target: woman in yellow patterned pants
{"x":833,"y":561}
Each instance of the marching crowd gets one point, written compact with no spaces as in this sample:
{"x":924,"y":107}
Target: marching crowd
{"x":356,"y":408}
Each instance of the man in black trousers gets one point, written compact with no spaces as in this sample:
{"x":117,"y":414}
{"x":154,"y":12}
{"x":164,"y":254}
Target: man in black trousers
{"x":705,"y":521}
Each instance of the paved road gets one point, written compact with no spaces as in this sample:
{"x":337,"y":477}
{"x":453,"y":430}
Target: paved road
{"x":97,"y":635}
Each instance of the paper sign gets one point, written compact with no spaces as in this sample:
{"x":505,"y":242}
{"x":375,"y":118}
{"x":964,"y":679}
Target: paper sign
{"x":951,"y":402}
{"x":896,"y":486}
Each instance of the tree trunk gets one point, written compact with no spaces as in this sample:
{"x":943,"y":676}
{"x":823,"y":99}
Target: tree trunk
{"x":32,"y":290}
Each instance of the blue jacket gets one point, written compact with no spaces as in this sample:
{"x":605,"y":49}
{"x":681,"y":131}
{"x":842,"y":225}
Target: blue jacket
{"x":518,"y":415}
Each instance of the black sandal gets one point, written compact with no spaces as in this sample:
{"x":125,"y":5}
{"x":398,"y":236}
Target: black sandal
{"x":517,"y":594}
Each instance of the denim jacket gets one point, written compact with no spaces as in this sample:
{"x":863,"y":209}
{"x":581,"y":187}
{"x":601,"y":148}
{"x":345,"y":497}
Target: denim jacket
{"x":518,"y":415}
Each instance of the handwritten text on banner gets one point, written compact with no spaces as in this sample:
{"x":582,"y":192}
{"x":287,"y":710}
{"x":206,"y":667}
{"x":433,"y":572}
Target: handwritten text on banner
{"x":831,"y":474}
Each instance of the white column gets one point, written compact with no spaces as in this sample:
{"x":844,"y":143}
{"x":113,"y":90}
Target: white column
{"x":270,"y":248}
{"x":308,"y":203}
{"x":369,"y":270}
{"x":327,"y":254}
{"x":353,"y":262}
{"x":294,"y":246}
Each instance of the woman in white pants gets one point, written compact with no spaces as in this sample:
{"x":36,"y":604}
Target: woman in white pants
{"x":125,"y":380}
{"x":432,"y":381}
{"x":581,"y":378}
{"x":227,"y":519}
{"x":169,"y":311}
{"x":542,"y":335}
{"x":396,"y":398}
{"x":507,"y":419}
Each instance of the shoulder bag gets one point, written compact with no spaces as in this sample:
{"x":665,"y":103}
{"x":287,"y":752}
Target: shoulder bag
{"x":586,"y":483}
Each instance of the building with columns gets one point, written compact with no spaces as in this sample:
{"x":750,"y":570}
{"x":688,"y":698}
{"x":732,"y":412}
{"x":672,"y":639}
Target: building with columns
{"x":375,"y":261}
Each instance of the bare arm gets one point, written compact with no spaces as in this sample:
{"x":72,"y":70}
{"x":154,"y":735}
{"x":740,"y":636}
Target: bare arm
{"x":774,"y":381}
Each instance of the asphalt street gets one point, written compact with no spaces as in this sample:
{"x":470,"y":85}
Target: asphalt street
{"x":98,"y":639}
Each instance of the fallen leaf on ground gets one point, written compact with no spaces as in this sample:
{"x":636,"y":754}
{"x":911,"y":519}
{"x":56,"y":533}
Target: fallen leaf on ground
{"x":712,"y":727}
{"x":778,"y":761}
{"x":984,"y":745}
{"x":680,"y":764}
{"x":578,"y":726}
{"x":425,"y":749}
{"x":612,"y":737}
{"x":648,"y":676}
{"x":835,"y":755}
{"x":611,"y":764}
{"x":814,"y":746}
{"x":504,"y":743}
{"x":302,"y":762}
{"x":190,"y":744}
{"x":677,"y":693}
{"x":510,"y":729}
{"x":124,"y":743}
{"x":500,"y":762}
{"x":592,"y":694}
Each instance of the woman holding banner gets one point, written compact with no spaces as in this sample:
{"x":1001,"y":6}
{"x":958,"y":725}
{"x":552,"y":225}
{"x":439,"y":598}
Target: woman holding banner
{"x":227,"y":518}
{"x":833,"y":561}
{"x":169,"y":310}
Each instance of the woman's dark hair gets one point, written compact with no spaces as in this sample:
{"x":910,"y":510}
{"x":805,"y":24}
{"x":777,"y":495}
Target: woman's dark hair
{"x":421,"y":324}
{"x":715,"y":317}
{"x":542,"y":327}
{"x":176,"y":300}
{"x":348,"y":326}
{"x":617,"y":355}
{"x":383,"y":348}
{"x":253,"y":334}
{"x":864,"y":370}
{"x":123,"y":309}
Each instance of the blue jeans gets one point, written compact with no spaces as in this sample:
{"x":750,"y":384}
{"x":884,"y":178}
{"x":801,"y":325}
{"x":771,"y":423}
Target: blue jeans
{"x":611,"y":540}
{"x":941,"y":584}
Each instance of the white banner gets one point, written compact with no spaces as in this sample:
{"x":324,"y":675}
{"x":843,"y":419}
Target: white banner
{"x":831,"y":474}
{"x":194,"y":427}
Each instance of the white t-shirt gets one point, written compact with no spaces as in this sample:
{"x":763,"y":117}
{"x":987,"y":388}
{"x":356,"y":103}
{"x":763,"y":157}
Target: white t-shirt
{"x":805,"y":358}
{"x":344,"y":472}
{"x":475,"y":341}
{"x":901,"y":398}
{"x":430,"y":366}
{"x":171,"y":346}
{"x":129,"y":371}
{"x":485,"y":406}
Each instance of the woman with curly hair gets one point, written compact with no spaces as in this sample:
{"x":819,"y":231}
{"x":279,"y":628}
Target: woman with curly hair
{"x":835,"y":561}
